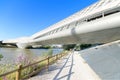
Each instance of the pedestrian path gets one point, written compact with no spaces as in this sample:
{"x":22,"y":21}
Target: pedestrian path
{"x":68,"y":68}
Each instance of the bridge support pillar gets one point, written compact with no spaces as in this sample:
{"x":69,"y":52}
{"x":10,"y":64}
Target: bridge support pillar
{"x":22,"y":45}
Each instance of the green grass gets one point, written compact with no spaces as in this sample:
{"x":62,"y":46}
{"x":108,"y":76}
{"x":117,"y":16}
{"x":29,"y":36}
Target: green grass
{"x":7,"y":68}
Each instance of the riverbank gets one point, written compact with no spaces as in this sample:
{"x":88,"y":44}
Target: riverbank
{"x":26,"y":70}
{"x":71,"y":67}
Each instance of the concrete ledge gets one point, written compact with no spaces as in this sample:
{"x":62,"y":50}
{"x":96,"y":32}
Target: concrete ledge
{"x":104,"y":60}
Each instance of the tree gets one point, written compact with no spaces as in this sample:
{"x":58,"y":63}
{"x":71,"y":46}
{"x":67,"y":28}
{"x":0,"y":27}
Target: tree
{"x":69,"y":46}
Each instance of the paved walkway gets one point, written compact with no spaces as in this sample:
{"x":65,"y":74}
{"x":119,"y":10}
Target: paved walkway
{"x":68,"y":68}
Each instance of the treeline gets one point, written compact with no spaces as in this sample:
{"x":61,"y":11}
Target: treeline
{"x":69,"y":46}
{"x":76,"y":46}
{"x":40,"y":47}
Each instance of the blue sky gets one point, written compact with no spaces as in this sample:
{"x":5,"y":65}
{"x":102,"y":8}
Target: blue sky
{"x":19,"y":18}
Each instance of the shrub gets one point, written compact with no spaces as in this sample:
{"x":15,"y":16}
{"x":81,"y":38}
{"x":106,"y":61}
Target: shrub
{"x":69,"y":46}
{"x":1,"y":56}
{"x":84,"y":46}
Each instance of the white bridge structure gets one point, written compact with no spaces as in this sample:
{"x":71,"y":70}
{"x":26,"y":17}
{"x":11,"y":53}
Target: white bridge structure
{"x":98,"y":23}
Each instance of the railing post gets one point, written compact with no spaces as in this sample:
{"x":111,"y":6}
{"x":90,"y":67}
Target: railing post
{"x":61,"y":55}
{"x":48,"y":63}
{"x":56,"y":57}
{"x":18,"y":73}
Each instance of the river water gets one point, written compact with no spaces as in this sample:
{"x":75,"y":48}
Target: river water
{"x":15,"y":56}
{"x":10,"y":55}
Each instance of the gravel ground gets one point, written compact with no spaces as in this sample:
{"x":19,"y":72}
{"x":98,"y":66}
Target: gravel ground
{"x":68,"y":68}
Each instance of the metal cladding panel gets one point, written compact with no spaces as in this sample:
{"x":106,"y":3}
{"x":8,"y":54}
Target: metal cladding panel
{"x":98,"y":7}
{"x":98,"y":31}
